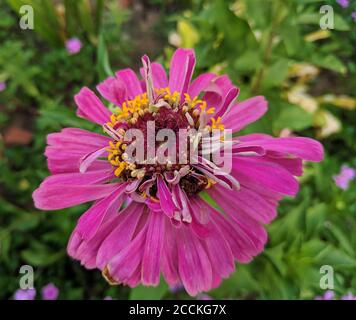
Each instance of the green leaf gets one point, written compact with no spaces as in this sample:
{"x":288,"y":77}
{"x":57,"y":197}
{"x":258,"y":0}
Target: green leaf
{"x":41,"y":256}
{"x":5,"y":242}
{"x":103,"y":64}
{"x":341,"y":236}
{"x":248,"y":61}
{"x":25,"y":222}
{"x":292,"y":38}
{"x":149,"y":293}
{"x":337,"y":258}
{"x":275,"y":254}
{"x":276,"y":73}
{"x":329,"y":61}
{"x":293,"y":117}
{"x":240,"y":282}
{"x":340,"y":23}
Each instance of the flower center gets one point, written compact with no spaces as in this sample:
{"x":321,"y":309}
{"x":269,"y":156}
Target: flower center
{"x":168,"y":111}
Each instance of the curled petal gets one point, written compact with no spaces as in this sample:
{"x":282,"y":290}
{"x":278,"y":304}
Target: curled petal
{"x":181,"y":70}
{"x":165,"y":197}
{"x":90,"y":107}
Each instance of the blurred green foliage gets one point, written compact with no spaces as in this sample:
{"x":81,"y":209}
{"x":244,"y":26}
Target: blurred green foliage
{"x":271,"y":48}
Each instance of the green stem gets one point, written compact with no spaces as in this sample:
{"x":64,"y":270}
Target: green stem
{"x":267,"y":51}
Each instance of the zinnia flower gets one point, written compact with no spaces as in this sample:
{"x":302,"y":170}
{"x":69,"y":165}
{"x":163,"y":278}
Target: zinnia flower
{"x":149,"y":218}
{"x":50,"y":292}
{"x":73,"y":45}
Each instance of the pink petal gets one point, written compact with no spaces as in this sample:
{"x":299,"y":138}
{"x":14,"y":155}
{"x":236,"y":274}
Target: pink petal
{"x":244,"y":202}
{"x":200,"y":225}
{"x":151,"y":262}
{"x":165,"y":197}
{"x":228,"y":102}
{"x":133,"y":85}
{"x":90,"y":158}
{"x":159,"y":76}
{"x":121,"y":234}
{"x":66,"y":148}
{"x":70,"y":164}
{"x":92,"y":177}
{"x":245,"y":113}
{"x":216,"y":98}
{"x":62,"y":196}
{"x":181,"y":70}
{"x":294,"y":166}
{"x":305,"y":148}
{"x":246,"y":237}
{"x":180,"y":200}
{"x":147,"y":76}
{"x":123,"y":266}
{"x":170,"y":255}
{"x":86,"y":251}
{"x":113,"y":90}
{"x":91,"y":220}
{"x":256,"y":174}
{"x":75,"y":138}
{"x":194,"y":266}
{"x":90,"y":107}
{"x":219,"y":252}
{"x":202,"y":83}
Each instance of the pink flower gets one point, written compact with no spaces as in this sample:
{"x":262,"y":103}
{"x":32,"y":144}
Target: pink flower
{"x":2,"y":86}
{"x":342,"y":180}
{"x":50,"y":292}
{"x":25,"y":294}
{"x":343,"y":3}
{"x":166,"y":226}
{"x":73,"y":45}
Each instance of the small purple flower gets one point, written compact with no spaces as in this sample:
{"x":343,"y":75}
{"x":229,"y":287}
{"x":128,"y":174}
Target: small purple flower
{"x":343,"y":3}
{"x":73,"y":45}
{"x":50,"y":292}
{"x":108,"y":298}
{"x":27,"y":294}
{"x":203,"y":296}
{"x":353,"y":15}
{"x":177,"y":288}
{"x":348,"y":296}
{"x":2,"y":86}
{"x":328,"y":295}
{"x":343,"y":179}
